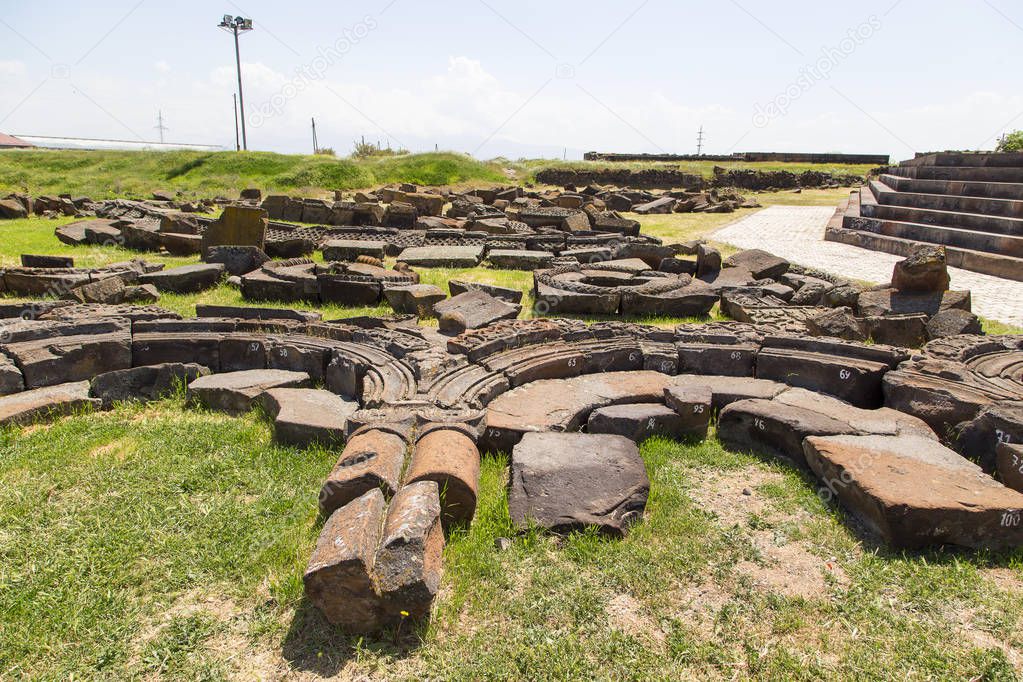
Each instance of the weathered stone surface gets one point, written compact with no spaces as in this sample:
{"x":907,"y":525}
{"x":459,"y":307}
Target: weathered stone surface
{"x":694,"y":405}
{"x":1009,"y":458}
{"x":838,"y":322}
{"x":761,"y":264}
{"x":234,"y":392}
{"x":569,"y":481}
{"x":1000,"y":423}
{"x":351,"y":249}
{"x":724,"y":360}
{"x":187,"y":279}
{"x":726,"y":390}
{"x":457,"y":287}
{"x":953,"y":322}
{"x":40,"y":403}
{"x":898,"y":330}
{"x":708,"y":260}
{"x":33,"y":261}
{"x":450,"y":458}
{"x":414,"y":299}
{"x":409,"y":564}
{"x":442,"y":256}
{"x":879,"y":478}
{"x":923,"y":272}
{"x":472,"y":310}
{"x":11,"y":209}
{"x":891,"y":302}
{"x":372,"y":460}
{"x":11,"y":380}
{"x":236,"y":226}
{"x":307,"y":416}
{"x":773,"y":428}
{"x":511,"y":259}
{"x":255,"y":313}
{"x":339,"y":577}
{"x":149,"y":382}
{"x":58,"y":360}
{"x":178,"y":244}
{"x":641,"y":421}
{"x":237,"y":260}
{"x":854,"y":380}
{"x":109,"y":290}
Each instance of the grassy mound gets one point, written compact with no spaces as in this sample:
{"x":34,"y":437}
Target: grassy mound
{"x":106,"y":174}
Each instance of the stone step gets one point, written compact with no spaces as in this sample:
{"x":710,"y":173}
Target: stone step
{"x":974,"y":159}
{"x":992,"y":190}
{"x":960,"y":173}
{"x":889,"y":196}
{"x":870,"y":207}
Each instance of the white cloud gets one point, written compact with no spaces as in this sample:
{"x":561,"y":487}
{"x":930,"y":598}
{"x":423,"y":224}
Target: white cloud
{"x":162,"y":66}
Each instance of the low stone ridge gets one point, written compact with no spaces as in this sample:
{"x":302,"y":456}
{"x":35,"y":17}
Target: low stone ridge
{"x":43,"y":403}
{"x":235,"y":392}
{"x":570,"y":481}
{"x":306,"y":416}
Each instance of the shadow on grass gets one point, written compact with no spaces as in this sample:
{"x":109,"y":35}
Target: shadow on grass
{"x":314,"y":646}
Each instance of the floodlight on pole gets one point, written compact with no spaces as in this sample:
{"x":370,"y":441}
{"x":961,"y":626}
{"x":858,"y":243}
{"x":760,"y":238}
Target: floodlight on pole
{"x":237,"y":25}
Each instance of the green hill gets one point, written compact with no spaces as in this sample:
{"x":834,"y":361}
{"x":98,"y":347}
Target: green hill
{"x":106,"y":174}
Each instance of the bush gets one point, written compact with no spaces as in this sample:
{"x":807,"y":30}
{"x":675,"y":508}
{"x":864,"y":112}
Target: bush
{"x":1011,"y":142}
{"x":367,"y":150}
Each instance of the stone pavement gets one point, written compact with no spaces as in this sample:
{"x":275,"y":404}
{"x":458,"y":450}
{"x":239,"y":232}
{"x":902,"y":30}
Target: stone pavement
{"x":797,"y":234}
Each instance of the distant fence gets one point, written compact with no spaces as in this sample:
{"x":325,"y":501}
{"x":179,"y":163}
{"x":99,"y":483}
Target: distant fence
{"x":777,"y":157}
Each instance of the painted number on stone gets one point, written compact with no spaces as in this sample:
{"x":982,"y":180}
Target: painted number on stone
{"x":844,"y":375}
{"x":253,"y":347}
{"x":666,"y":366}
{"x":1011,"y":519}
{"x":651,"y":423}
{"x":759,"y":423}
{"x":632,"y":357}
{"x":494,"y":433}
{"x":572,"y":362}
{"x":1002,"y":436}
{"x":698,"y":409}
{"x":736,"y":355}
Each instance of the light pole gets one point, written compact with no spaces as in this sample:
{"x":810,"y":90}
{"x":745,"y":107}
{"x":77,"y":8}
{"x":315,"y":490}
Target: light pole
{"x":238,"y":25}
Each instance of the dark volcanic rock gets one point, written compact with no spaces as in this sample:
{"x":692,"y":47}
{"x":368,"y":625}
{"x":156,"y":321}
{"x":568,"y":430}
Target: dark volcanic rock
{"x":568,"y":481}
{"x":922,"y":272}
{"x":188,"y":279}
{"x":149,"y":382}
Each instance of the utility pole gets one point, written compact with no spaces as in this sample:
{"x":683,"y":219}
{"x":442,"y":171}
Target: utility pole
{"x":699,"y":142}
{"x":237,"y":141}
{"x":159,"y":124}
{"x":238,"y":25}
{"x":316,"y":146}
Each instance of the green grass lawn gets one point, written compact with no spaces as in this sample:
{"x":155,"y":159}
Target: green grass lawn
{"x":165,"y":542}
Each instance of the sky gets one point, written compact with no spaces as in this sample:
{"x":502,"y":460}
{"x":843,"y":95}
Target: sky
{"x":522,"y":79}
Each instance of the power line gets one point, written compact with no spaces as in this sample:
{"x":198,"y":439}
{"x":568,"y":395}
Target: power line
{"x":699,"y":142}
{"x":159,"y":124}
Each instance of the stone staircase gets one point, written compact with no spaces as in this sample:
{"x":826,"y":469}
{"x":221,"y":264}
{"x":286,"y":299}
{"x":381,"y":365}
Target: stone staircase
{"x":971,"y":203}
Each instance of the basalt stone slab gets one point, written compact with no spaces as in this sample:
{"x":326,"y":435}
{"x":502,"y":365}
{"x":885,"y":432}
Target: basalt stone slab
{"x":150,"y":382}
{"x":892,"y":302}
{"x":73,"y":234}
{"x":726,"y":390}
{"x":33,"y":261}
{"x":552,"y":301}
{"x":237,"y":260}
{"x":51,"y":361}
{"x":737,"y":360}
{"x":924,"y":271}
{"x":898,"y":330}
{"x":641,"y":421}
{"x":11,"y":380}
{"x":953,"y":322}
{"x":457,"y":287}
{"x":255,"y":313}
{"x":695,"y":300}
{"x":179,"y":244}
{"x":979,"y":439}
{"x":187,"y":279}
{"x":339,"y":578}
{"x":236,"y":226}
{"x":234,"y":392}
{"x":351,"y":249}
{"x":472,"y":310}
{"x":853,"y":380}
{"x":414,"y":299}
{"x":442,"y":256}
{"x":372,"y":460}
{"x":1009,"y":457}
{"x":409,"y":564}
{"x":109,"y":290}
{"x":570,"y":481}
{"x":448,"y":456}
{"x":694,"y":405}
{"x":879,"y":478}
{"x":761,"y":264}
{"x":27,"y":309}
{"x":307,"y":416}
{"x":42,"y":403}
{"x":511,"y":259}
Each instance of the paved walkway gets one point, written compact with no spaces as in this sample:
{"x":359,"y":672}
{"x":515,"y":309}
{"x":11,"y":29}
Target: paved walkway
{"x":797,"y":234}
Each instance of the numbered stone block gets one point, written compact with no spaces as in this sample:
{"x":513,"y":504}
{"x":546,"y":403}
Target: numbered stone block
{"x":372,"y":460}
{"x":1010,"y":465}
{"x":448,"y":457}
{"x":339,"y":577}
{"x":881,"y":480}
{"x":853,"y":380}
{"x":736,"y":360}
{"x":998,"y":424}
{"x":409,"y":564}
{"x":694,"y":405}
{"x":639,"y":422}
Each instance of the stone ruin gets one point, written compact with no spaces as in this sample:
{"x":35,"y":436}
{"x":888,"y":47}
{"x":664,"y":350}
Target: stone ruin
{"x":411,"y":409}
